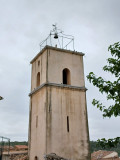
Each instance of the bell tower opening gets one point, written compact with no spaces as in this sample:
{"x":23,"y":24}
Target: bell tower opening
{"x":36,"y":158}
{"x":38,"y":79}
{"x":66,"y":76}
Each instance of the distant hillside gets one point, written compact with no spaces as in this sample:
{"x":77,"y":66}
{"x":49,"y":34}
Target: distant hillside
{"x":95,"y":147}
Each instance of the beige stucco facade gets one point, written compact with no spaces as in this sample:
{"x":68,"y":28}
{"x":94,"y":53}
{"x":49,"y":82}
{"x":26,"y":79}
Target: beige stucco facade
{"x":58,"y":113}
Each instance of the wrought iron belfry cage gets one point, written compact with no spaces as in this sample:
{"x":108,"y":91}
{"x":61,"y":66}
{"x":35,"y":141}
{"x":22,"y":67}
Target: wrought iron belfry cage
{"x":58,"y":39}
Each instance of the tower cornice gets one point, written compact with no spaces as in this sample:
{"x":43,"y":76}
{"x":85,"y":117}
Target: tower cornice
{"x":56,"y":49}
{"x":58,"y":86}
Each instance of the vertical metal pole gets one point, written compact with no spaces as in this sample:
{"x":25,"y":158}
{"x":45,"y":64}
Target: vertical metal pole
{"x":1,"y":148}
{"x":50,"y":40}
{"x":73,"y":44}
{"x":9,"y":147}
{"x":62,"y":42}
{"x":59,"y":43}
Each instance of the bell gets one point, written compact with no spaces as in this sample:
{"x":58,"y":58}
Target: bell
{"x":55,"y":36}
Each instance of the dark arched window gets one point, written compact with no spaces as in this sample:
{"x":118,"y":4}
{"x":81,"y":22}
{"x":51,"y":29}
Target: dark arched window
{"x":66,"y":76}
{"x":36,"y":158}
{"x":38,"y":79}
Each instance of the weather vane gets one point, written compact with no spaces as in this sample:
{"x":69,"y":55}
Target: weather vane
{"x":63,"y":41}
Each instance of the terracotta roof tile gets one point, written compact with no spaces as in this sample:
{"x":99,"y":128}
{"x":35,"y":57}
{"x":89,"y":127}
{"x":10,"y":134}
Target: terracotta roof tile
{"x":100,"y":154}
{"x":21,"y":147}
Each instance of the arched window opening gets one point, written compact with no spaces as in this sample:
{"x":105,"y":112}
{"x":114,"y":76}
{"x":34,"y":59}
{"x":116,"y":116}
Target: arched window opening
{"x":36,"y":158}
{"x":38,"y":79}
{"x":66,"y":76}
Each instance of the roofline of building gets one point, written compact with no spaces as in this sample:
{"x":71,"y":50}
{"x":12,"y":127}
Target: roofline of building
{"x":57,"y":49}
{"x":15,"y":152}
{"x":57,"y":85}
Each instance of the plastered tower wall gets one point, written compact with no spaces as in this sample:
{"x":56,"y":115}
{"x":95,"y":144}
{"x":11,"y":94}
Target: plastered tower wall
{"x":39,"y":65}
{"x":69,"y":103}
{"x":55,"y":106}
{"x":37,"y":127}
{"x":58,"y":60}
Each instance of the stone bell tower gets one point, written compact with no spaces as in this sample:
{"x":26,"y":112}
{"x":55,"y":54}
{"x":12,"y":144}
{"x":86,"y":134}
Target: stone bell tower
{"x":58,"y":114}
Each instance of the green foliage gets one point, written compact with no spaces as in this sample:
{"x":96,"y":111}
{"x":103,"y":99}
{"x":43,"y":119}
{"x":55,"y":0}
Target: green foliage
{"x":18,"y":143}
{"x":109,"y":143}
{"x":111,"y":89}
{"x":14,"y":143}
{"x":95,"y":147}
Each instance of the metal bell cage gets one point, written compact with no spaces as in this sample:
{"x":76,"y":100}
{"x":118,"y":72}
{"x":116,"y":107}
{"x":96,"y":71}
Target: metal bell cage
{"x":56,"y":38}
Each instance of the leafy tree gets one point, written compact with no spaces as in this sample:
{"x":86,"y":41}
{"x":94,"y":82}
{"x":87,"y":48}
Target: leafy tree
{"x":112,"y":90}
{"x":95,"y":147}
{"x":18,"y":143}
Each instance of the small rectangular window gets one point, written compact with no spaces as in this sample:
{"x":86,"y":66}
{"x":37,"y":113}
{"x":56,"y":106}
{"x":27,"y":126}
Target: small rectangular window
{"x":67,"y":123}
{"x":36,"y":121}
{"x":38,"y":63}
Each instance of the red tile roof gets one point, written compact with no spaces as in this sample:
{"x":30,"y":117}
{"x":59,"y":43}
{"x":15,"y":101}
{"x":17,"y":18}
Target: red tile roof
{"x":21,"y":147}
{"x":100,"y":154}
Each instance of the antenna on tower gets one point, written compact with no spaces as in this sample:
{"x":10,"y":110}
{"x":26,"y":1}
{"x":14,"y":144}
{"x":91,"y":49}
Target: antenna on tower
{"x":56,"y":36}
